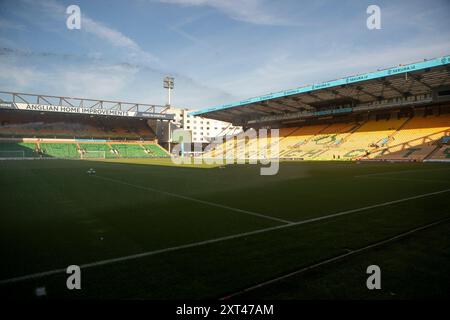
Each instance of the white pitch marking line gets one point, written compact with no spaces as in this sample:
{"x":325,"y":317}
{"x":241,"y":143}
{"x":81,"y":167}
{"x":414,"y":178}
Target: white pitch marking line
{"x":196,"y":200}
{"x":201,"y":243}
{"x":352,"y":252}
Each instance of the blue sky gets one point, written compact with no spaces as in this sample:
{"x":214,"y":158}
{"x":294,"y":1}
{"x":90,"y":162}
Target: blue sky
{"x":218,"y":50}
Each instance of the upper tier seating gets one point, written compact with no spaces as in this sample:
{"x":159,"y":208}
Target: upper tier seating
{"x":28,"y":124}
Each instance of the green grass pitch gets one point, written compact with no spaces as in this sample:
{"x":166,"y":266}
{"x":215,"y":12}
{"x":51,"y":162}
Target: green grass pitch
{"x":53,"y":214}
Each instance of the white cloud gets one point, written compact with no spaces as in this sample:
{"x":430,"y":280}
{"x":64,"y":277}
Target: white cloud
{"x":7,"y":24}
{"x":18,"y":77}
{"x":251,"y":11}
{"x":116,"y":38}
{"x":207,"y":71}
{"x":94,"y":81}
{"x":288,"y":71}
{"x":100,"y":30}
{"x":88,"y":80}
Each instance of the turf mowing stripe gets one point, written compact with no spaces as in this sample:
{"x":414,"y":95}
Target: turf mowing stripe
{"x":202,"y":243}
{"x":374,"y":245}
{"x":196,"y":200}
{"x":399,"y":172}
{"x":404,"y":179}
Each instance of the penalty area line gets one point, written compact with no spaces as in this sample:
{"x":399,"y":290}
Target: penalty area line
{"x":215,"y":240}
{"x":336,"y":258}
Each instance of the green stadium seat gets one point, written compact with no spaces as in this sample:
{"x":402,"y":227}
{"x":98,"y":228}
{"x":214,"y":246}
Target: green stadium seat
{"x":18,"y":150}
{"x":59,"y":150}
{"x":99,"y":148}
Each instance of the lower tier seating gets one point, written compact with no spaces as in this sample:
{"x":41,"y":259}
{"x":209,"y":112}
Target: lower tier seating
{"x":154,"y":150}
{"x":18,"y":150}
{"x":96,"y":150}
{"x":59,"y":150}
{"x":49,"y":148}
{"x":130,"y":150}
{"x":443,"y":153}
{"x":405,"y":138}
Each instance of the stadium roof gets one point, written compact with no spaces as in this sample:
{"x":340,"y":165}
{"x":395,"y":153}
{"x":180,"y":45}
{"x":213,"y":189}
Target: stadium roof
{"x":401,"y":81}
{"x":47,"y":103}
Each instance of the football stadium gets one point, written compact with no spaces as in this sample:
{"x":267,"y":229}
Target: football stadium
{"x":363,"y":177}
{"x":338,"y":190}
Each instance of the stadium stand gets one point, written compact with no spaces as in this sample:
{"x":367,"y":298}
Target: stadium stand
{"x":58,"y":150}
{"x":130,"y":150}
{"x":398,"y":113}
{"x":407,"y":138}
{"x":371,"y":134}
{"x":154,"y":150}
{"x":96,"y":150}
{"x":18,"y":150}
{"x":395,"y":114}
{"x":73,"y":149}
{"x":29,"y":134}
{"x":50,"y":125}
{"x":416,"y":139}
{"x":443,"y":153}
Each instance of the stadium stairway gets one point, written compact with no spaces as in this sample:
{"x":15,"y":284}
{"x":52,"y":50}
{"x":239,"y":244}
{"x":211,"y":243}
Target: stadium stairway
{"x":154,"y":150}
{"x":441,"y":153}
